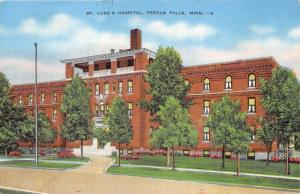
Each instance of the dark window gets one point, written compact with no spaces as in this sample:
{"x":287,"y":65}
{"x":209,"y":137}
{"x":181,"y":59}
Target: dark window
{"x":130,"y":62}
{"x":96,"y":68}
{"x":206,"y":153}
{"x":108,"y":65}
{"x":118,"y":64}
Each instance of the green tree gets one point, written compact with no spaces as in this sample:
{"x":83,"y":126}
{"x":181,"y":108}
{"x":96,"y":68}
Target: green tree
{"x":267,"y":134}
{"x":281,"y":101}
{"x":12,"y":117}
{"x":165,"y":80}
{"x":76,"y":111}
{"x":118,"y":127}
{"x":46,"y":133}
{"x":175,"y":128}
{"x":229,"y":127}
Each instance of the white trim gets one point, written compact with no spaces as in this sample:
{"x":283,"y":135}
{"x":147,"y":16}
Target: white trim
{"x":225,"y":92}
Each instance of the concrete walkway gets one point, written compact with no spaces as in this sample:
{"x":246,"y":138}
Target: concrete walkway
{"x":212,"y":171}
{"x":91,"y":179}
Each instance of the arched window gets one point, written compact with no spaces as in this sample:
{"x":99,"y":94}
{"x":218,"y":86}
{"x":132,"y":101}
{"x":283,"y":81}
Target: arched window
{"x":54,"y":97}
{"x":251,"y":81}
{"x":206,"y":83}
{"x":228,"y":82}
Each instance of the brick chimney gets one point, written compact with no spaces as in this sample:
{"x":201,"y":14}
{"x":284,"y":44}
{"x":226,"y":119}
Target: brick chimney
{"x":135,"y":39}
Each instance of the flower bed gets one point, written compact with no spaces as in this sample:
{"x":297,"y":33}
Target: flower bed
{"x":15,"y":154}
{"x":294,"y":160}
{"x":65,"y":154}
{"x":130,"y":157}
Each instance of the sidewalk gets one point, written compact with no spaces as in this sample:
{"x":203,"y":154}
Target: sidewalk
{"x":211,"y":171}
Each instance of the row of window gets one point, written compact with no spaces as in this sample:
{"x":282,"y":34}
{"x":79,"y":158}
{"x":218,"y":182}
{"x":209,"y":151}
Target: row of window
{"x":120,"y":88}
{"x":228,"y":82}
{"x":206,"y":133}
{"x":42,"y":98}
{"x":54,"y":113}
{"x":101,"y":109}
{"x":251,"y":106}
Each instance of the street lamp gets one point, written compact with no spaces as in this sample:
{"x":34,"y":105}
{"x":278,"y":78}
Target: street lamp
{"x":35,"y":106}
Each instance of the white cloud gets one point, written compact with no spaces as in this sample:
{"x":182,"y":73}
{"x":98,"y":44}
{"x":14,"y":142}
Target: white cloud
{"x":21,"y":70}
{"x":261,"y":30}
{"x":270,"y":46}
{"x":177,"y":31}
{"x":57,"y":25}
{"x":295,"y":32}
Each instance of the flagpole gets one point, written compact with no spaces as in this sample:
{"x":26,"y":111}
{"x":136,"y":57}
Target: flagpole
{"x":35,"y":107}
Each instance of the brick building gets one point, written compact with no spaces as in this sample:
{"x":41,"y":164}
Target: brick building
{"x":121,"y":73}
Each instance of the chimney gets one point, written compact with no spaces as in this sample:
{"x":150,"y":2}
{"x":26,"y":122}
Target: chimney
{"x":135,"y":39}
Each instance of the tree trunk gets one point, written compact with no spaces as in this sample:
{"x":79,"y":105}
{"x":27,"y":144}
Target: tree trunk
{"x":119,"y":161}
{"x":268,"y":156}
{"x":65,"y":147}
{"x":5,"y":152}
{"x":173,"y":157}
{"x":81,"y":147}
{"x":238,"y":164}
{"x":223,"y":157}
{"x":168,"y":156}
{"x":287,"y":165}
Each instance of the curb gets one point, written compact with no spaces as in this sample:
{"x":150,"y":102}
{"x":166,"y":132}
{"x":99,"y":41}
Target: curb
{"x":11,"y":189}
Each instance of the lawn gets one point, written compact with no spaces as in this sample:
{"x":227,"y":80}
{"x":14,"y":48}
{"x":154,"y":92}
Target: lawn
{"x":75,"y":159}
{"x":9,"y":191}
{"x":41,"y":164}
{"x":205,"y":177}
{"x":247,"y":166}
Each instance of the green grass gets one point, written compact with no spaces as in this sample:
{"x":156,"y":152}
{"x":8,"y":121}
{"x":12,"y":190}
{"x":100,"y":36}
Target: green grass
{"x":41,"y":164}
{"x":9,"y":191}
{"x":247,"y":166}
{"x":76,"y":159}
{"x":205,"y":177}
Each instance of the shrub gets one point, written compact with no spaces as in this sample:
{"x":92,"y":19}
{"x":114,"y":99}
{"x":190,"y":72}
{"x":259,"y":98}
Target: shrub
{"x":15,"y":154}
{"x":65,"y":154}
{"x":114,"y":153}
{"x":42,"y":152}
{"x":215,"y":156}
{"x":130,"y":157}
{"x":275,"y":159}
{"x":178,"y":153}
{"x":294,"y":160}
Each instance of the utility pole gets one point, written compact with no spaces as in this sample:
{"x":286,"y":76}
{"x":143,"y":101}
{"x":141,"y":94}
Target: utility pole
{"x":35,"y":107}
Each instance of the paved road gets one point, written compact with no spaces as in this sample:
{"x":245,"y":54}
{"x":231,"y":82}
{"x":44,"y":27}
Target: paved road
{"x":92,"y":179}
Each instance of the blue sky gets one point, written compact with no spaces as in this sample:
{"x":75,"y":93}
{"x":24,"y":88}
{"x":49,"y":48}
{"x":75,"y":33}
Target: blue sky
{"x":237,"y":29}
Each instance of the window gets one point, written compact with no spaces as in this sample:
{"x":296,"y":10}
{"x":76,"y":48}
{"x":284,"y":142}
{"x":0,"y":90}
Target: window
{"x":206,"y":153}
{"x":20,"y":99}
{"x":253,"y":132}
{"x":108,"y":65}
{"x":130,"y":109}
{"x":101,"y":110}
{"x":228,"y":82}
{"x":42,"y":98}
{"x":251,"y":80}
{"x":106,"y":88}
{"x":206,"y":107}
{"x":54,"y":97}
{"x":30,"y":99}
{"x":107,"y":108}
{"x":251,"y":105}
{"x":227,"y":154}
{"x":130,"y":86}
{"x":54,"y":114}
{"x":130,"y":62}
{"x":206,"y":84}
{"x":206,"y":136}
{"x":97,"y":113}
{"x":96,"y":67}
{"x":251,"y":155}
{"x":97,"y":89}
{"x":120,"y":87}
{"x":118,"y":64}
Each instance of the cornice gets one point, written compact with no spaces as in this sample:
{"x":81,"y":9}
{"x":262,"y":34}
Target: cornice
{"x":122,"y":53}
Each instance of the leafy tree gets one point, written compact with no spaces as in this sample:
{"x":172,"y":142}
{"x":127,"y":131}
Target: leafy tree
{"x":229,"y":127}
{"x":165,"y":80}
{"x":281,"y":101}
{"x":118,"y":126}
{"x":76,"y":111}
{"x":11,"y":117}
{"x":219,"y":121}
{"x":267,"y":134}
{"x":175,"y":128}
{"x":46,"y":133}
